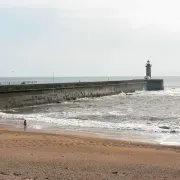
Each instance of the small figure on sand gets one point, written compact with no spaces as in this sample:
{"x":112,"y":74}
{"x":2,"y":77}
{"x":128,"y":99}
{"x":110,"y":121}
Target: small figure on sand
{"x":25,"y":125}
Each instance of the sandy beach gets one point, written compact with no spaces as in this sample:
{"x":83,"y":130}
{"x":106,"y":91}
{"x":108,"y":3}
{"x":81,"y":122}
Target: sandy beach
{"x":35,"y":156}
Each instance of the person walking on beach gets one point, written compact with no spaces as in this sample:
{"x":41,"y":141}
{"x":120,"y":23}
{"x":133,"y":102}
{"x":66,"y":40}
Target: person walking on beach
{"x":25,"y":125}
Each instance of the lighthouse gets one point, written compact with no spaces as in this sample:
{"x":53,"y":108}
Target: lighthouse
{"x":148,"y":70}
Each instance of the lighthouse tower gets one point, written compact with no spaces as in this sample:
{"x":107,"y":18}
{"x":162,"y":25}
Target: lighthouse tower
{"x":148,"y":70}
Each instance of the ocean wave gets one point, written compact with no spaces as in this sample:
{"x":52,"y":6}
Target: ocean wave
{"x":112,"y":120}
{"x":35,"y":120}
{"x":166,"y":92}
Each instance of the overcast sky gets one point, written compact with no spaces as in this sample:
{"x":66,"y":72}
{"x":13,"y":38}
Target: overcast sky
{"x":89,"y":37}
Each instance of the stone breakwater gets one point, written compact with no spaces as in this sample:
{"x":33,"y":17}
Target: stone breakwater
{"x":12,"y":96}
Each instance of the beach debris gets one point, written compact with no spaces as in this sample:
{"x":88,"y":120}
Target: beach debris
{"x":164,"y":127}
{"x":3,"y":173}
{"x":115,"y":172}
{"x":17,"y":174}
{"x":172,"y":131}
{"x":58,"y":102}
{"x":129,"y":94}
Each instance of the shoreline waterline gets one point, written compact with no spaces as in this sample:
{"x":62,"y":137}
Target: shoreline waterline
{"x":129,"y":137}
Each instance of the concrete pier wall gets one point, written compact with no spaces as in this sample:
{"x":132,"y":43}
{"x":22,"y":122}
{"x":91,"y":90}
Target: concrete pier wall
{"x":35,"y":94}
{"x":155,"y":84}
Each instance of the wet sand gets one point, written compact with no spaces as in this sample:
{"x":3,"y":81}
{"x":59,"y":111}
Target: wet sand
{"x":34,"y":156}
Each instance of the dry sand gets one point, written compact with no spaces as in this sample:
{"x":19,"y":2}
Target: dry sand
{"x":35,"y":156}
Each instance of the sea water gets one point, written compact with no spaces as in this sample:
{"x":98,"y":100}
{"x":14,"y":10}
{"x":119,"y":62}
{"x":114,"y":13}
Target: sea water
{"x":143,"y":116}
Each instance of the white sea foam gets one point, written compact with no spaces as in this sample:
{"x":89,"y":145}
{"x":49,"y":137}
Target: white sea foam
{"x":37,"y":127}
{"x":42,"y":118}
{"x":166,"y":92}
{"x":170,"y":143}
{"x":170,"y":140}
{"x":115,"y":113}
{"x":69,"y":120}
